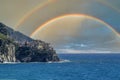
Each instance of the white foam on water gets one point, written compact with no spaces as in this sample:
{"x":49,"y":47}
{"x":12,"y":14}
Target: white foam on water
{"x":61,"y":61}
{"x":64,"y":61}
{"x":10,"y":63}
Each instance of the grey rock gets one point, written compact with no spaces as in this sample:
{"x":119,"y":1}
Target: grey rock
{"x":7,"y":51}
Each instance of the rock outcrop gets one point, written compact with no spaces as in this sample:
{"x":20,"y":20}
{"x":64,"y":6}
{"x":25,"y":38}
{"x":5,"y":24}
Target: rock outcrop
{"x":7,"y":50}
{"x":36,"y":51}
{"x":16,"y":47}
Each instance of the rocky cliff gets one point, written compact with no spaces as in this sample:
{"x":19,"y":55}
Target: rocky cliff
{"x":7,"y":49}
{"x":36,"y":51}
{"x":16,"y":47}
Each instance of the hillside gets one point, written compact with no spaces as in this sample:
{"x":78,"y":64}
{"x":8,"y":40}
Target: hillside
{"x":16,"y":35}
{"x":17,"y":47}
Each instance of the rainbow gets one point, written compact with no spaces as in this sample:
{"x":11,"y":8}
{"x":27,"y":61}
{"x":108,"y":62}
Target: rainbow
{"x":75,"y":15}
{"x":26,"y":16}
{"x":109,"y":5}
{"x":46,"y":3}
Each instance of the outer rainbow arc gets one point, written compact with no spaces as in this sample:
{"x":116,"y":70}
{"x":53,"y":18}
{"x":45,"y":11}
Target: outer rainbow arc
{"x":26,"y":16}
{"x":32,"y":12}
{"x":109,"y":5}
{"x":77,"y":15}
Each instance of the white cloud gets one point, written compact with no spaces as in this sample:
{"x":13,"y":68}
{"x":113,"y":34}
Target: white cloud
{"x":80,"y":51}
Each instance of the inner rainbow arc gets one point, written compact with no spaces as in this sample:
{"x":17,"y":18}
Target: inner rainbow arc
{"x":75,"y":15}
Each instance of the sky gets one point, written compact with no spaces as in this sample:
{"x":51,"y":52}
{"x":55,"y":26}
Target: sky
{"x":71,"y":26}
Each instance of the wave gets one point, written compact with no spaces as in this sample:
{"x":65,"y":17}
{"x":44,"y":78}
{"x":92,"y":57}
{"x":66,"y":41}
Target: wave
{"x":64,"y":61}
{"x":61,"y":61}
{"x":10,"y":63}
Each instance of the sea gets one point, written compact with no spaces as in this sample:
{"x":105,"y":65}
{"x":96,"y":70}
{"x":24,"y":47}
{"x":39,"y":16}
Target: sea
{"x":72,"y":67}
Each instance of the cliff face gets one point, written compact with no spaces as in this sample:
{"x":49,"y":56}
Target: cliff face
{"x":16,"y":47}
{"x":7,"y":51}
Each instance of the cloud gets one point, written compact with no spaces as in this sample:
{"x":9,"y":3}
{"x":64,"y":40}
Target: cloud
{"x":81,"y":51}
{"x":74,"y":45}
{"x":89,"y":48}
{"x":78,"y":45}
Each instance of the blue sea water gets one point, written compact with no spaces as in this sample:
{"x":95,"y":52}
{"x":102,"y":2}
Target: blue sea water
{"x":80,"y":67}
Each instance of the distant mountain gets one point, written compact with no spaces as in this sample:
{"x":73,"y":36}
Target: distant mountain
{"x":17,"y":47}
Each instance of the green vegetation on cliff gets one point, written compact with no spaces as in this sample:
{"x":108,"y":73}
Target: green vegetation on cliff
{"x":3,"y":37}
